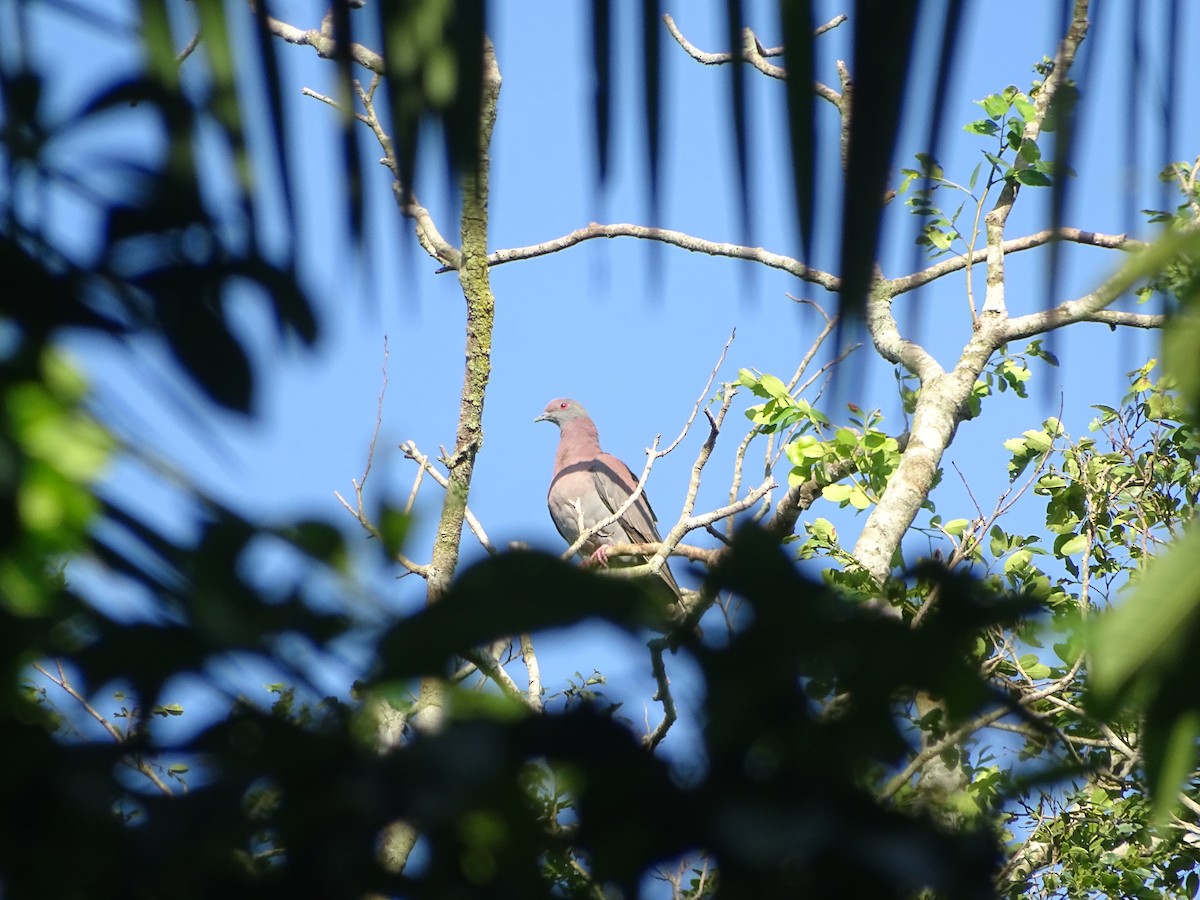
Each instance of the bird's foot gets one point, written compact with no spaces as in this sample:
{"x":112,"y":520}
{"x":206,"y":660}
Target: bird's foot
{"x":599,"y":557}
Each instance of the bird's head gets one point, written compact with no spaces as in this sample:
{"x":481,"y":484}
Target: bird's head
{"x":562,"y":411}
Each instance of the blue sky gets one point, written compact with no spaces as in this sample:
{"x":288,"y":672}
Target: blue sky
{"x":629,"y":329}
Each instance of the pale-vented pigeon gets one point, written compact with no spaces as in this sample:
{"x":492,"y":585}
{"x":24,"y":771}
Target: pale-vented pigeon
{"x":590,"y":485}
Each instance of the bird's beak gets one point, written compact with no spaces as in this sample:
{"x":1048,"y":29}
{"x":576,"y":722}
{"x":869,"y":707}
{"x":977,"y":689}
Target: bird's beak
{"x":542,"y":418}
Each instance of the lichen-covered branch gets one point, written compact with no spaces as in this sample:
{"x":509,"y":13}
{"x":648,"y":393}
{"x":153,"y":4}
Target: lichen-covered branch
{"x":481,"y":310}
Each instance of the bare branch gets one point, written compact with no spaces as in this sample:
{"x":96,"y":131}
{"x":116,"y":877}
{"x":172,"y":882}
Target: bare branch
{"x":428,"y":235}
{"x":670,"y":545}
{"x":704,"y":393}
{"x":189,"y":49}
{"x":754,"y":53}
{"x":324,"y":44}
{"x":662,"y":695}
{"x":828,"y":26}
{"x":911,"y":282}
{"x":409,"y":448}
{"x":997,"y":217}
{"x":676,"y":238}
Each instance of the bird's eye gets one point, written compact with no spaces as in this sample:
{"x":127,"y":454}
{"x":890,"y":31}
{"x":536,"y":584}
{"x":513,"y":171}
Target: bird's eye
{"x":562,"y":405}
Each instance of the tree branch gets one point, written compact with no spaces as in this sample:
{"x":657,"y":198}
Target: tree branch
{"x":324,"y":44}
{"x":670,"y":545}
{"x":134,"y":761}
{"x":907,"y":283}
{"x":754,"y":53}
{"x":662,"y":695}
{"x":996,"y":219}
{"x":676,"y":238}
{"x":410,"y":450}
{"x":885,"y":335}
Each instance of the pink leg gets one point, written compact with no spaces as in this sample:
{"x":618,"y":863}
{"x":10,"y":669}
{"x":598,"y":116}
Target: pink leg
{"x":599,"y":557}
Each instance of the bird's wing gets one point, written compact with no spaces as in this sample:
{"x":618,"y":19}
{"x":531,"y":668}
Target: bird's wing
{"x":614,"y":483}
{"x":576,"y":504}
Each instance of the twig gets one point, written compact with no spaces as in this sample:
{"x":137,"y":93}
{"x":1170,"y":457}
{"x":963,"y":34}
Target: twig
{"x":814,"y":347}
{"x":754,"y":53}
{"x":487,"y":664}
{"x":662,"y":695}
{"x":189,"y":49}
{"x":410,"y":450}
{"x":704,"y":393}
{"x":133,"y":761}
{"x":585,"y":534}
{"x":670,"y":545}
{"x":64,"y":683}
{"x":359,"y":510}
{"x":428,"y":235}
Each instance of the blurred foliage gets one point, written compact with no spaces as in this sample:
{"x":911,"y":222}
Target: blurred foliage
{"x":805,"y":705}
{"x":1106,"y":712}
{"x":297,"y":797}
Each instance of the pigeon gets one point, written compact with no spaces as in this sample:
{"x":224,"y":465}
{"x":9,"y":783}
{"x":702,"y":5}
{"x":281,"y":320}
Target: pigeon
{"x":590,"y":485}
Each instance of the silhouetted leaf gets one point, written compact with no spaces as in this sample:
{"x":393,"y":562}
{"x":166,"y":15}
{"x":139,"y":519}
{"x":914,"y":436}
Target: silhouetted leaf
{"x":883,"y":40}
{"x":202,"y":343}
{"x":799,"y":57}
{"x":493,"y":599}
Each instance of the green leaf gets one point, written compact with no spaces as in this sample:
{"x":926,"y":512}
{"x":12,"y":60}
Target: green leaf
{"x":1067,"y":545}
{"x":859,"y":499}
{"x":999,"y":541}
{"x":998,"y":162}
{"x":1034,"y":667}
{"x":1169,"y":745}
{"x":983,"y":126}
{"x":1144,"y":638}
{"x":956,"y":526}
{"x":1032,"y":178}
{"x":994,"y":105}
{"x":822,"y":528}
{"x":938,"y":238}
{"x":775,"y":388}
{"x":1016,"y":446}
{"x":1038,"y":440}
{"x":974,"y":177}
{"x":1018,"y":561}
{"x":836,"y":493}
{"x":846,"y":437}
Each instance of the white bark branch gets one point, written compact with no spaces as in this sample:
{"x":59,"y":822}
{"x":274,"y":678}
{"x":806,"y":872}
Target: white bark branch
{"x":945,"y":267}
{"x":676,"y":238}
